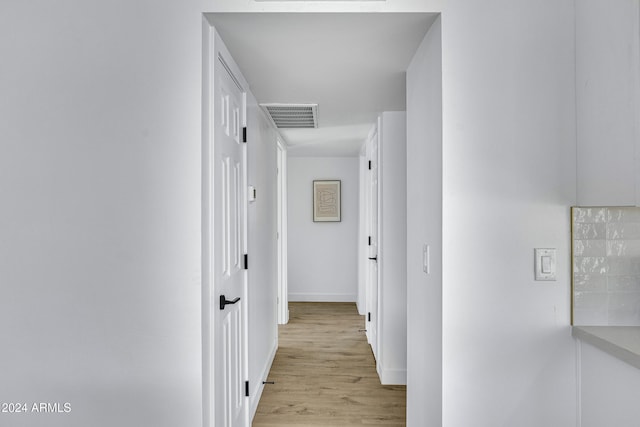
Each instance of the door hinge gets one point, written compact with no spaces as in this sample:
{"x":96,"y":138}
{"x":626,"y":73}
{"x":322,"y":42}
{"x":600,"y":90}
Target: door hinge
{"x":369,"y":317}
{"x":246,"y":262}
{"x":246,"y":388}
{"x":244,"y":134}
{"x":369,"y":164}
{"x":369,"y":240}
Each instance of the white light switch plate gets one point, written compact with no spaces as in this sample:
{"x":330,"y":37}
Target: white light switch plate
{"x":545,"y":264}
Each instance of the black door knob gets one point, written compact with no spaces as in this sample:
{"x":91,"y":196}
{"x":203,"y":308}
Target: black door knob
{"x":224,"y":301}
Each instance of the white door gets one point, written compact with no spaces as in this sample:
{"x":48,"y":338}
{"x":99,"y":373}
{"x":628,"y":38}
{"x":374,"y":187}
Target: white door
{"x":229,"y":302}
{"x":372,"y":275}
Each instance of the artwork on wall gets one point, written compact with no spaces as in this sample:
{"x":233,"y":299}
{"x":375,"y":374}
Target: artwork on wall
{"x":326,"y":201}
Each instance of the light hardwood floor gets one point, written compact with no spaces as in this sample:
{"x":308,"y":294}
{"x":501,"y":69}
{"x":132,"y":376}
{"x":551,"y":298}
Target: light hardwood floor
{"x":325,"y":373}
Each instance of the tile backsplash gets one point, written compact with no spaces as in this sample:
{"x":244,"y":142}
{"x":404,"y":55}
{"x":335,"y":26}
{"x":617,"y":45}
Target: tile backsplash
{"x":606,"y":265}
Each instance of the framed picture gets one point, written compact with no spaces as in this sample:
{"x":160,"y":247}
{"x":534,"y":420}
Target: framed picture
{"x":326,"y":201}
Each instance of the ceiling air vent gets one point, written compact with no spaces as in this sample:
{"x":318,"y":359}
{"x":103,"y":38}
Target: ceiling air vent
{"x":287,"y":116}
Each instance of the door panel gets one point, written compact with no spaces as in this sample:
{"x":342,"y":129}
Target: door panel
{"x":229,"y":358}
{"x":224,"y":213}
{"x":237,"y":217}
{"x":234,"y":398}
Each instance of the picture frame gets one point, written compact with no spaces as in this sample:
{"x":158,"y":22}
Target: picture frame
{"x":327,"y":201}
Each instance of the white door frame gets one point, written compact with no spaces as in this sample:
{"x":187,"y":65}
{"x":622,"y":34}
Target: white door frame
{"x":208,"y":348}
{"x":363,"y":238}
{"x":211,"y":44}
{"x":282,"y":202}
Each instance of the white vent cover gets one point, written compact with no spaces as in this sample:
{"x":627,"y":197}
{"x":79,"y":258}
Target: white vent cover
{"x":293,"y":115}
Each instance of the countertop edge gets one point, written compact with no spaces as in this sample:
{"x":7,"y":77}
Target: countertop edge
{"x":619,"y":346}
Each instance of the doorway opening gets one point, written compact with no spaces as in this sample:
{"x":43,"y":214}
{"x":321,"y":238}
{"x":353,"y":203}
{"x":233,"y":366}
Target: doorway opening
{"x":349,"y":102}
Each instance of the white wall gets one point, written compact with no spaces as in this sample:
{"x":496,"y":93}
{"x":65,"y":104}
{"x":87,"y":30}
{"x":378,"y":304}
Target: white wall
{"x":322,"y":255}
{"x":508,"y":181}
{"x":100,"y":221}
{"x":608,"y":101}
{"x":424,"y":221}
{"x":609,"y":389}
{"x":262,"y":250}
{"x":334,"y":6}
{"x":392,"y":249}
{"x":100,"y":187}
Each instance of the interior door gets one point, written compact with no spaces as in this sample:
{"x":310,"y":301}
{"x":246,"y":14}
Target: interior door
{"x":372,"y":288}
{"x":230,"y":367}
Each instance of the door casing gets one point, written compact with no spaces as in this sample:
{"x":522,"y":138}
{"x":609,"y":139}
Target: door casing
{"x":282,"y":203}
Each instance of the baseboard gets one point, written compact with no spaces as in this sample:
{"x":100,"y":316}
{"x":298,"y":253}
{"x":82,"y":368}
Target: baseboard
{"x":392,"y":376}
{"x":317,"y":297}
{"x":259,"y":388}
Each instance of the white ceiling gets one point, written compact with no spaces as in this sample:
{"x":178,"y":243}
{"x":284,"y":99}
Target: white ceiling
{"x":352,"y":65}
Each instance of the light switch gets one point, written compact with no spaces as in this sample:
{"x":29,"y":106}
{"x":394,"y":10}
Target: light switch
{"x":426,"y":261}
{"x":545,"y":264}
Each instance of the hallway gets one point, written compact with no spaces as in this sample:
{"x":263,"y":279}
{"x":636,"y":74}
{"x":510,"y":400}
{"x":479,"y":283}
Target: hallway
{"x":324,"y":373}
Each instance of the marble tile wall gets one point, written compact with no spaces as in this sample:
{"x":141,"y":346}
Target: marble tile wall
{"x":606,"y":266}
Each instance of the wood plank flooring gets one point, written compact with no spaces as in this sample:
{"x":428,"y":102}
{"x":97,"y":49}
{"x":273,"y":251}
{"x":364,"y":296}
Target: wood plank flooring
{"x":325,"y":373}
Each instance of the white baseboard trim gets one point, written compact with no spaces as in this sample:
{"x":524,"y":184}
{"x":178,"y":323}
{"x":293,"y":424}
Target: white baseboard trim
{"x":392,"y":376}
{"x":317,"y":297}
{"x":259,"y":387}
